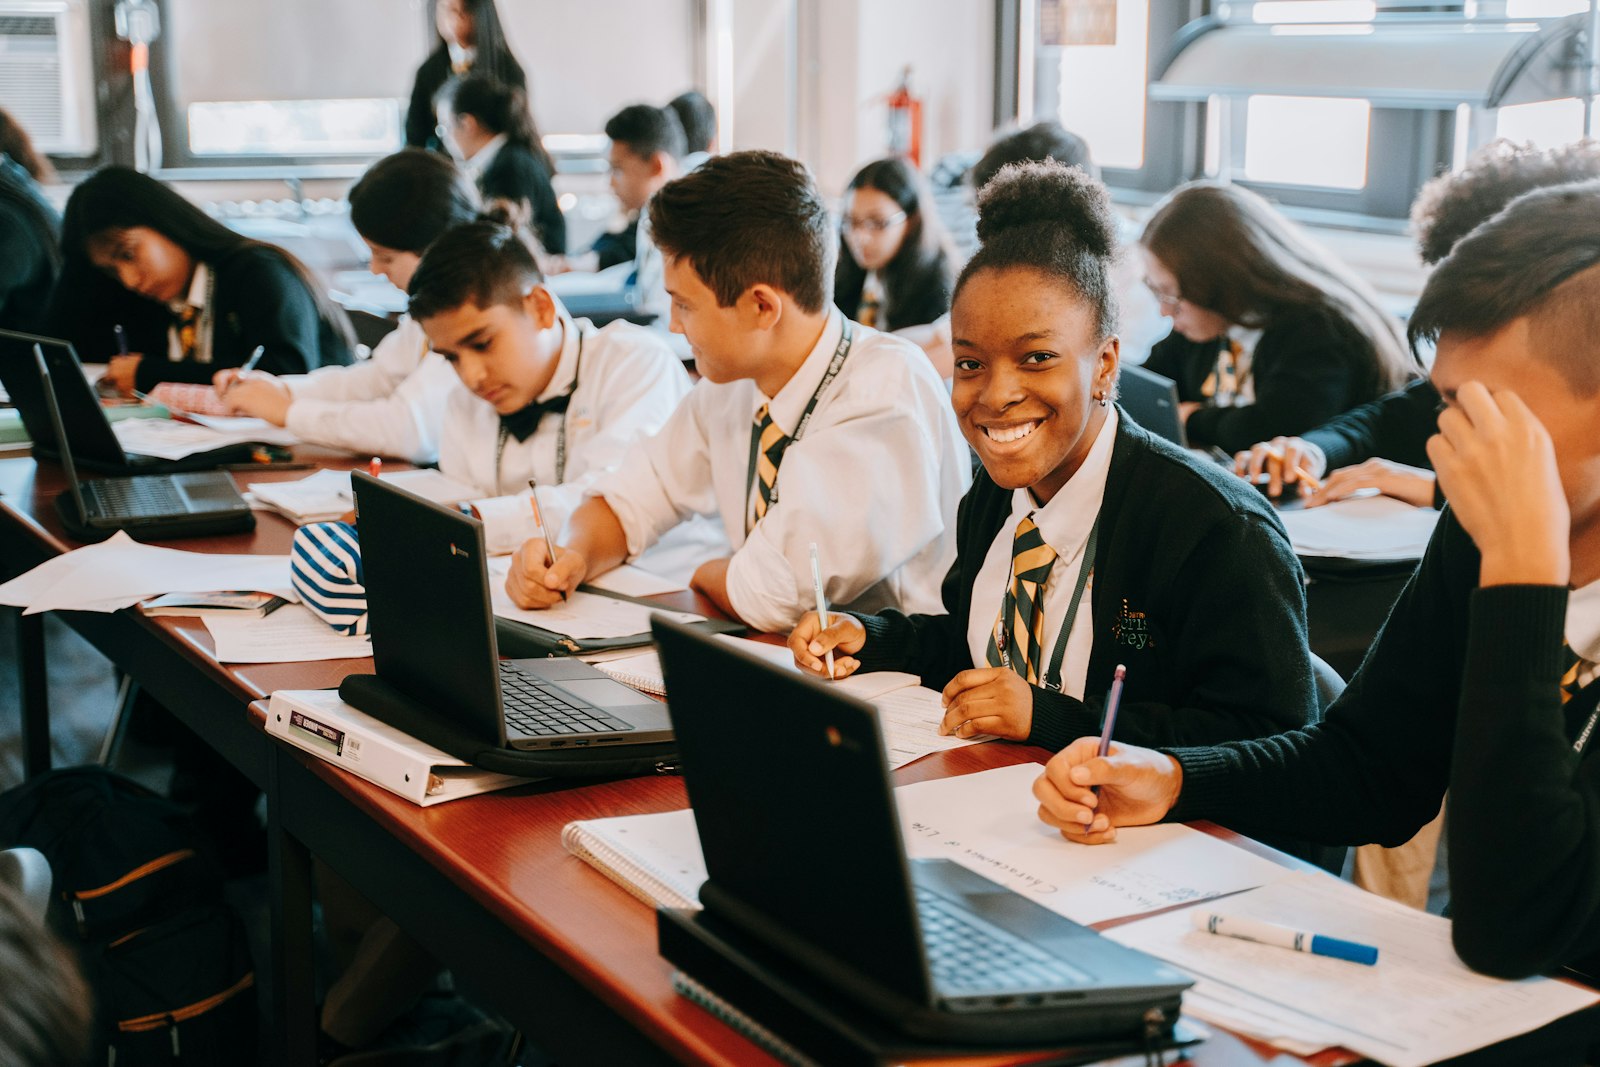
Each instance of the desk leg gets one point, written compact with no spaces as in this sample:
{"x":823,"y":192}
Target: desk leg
{"x":292,"y":990}
{"x":33,"y":680}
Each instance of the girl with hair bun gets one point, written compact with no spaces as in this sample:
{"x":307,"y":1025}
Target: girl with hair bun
{"x":1085,"y":542}
{"x":392,"y":404}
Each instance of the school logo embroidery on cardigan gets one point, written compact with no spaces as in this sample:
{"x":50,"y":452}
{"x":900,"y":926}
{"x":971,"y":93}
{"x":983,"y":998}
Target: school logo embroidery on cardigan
{"x":1132,"y":628}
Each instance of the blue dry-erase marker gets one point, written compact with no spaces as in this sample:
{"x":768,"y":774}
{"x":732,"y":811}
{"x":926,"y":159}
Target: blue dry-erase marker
{"x":1266,"y":933}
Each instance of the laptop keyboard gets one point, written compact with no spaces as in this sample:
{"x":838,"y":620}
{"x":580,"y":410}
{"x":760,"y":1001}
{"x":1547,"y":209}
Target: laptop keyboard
{"x":971,"y":957}
{"x":151,"y":495}
{"x":536,"y":708}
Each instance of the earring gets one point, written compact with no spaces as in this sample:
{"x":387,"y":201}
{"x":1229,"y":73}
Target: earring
{"x":1103,"y":399}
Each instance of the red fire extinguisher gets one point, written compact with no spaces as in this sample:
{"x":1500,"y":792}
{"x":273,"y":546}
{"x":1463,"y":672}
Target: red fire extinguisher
{"x":905,"y":121}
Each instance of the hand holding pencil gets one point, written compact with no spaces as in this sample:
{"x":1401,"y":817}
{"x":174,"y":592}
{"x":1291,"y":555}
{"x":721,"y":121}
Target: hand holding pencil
{"x":1285,"y":461}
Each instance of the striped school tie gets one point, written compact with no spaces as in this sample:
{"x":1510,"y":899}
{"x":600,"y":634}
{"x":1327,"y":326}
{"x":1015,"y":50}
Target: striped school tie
{"x":769,"y":453}
{"x":1574,"y":670}
{"x":189,"y":330}
{"x":1021,"y":623}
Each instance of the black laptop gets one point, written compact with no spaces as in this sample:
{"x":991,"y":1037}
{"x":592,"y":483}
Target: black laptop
{"x":1151,"y":400}
{"x":791,"y":791}
{"x":151,"y":506}
{"x":94,"y":443}
{"x":433,"y":640}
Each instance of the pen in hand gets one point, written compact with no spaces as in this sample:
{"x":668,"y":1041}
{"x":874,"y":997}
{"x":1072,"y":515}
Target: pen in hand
{"x":1109,"y":722}
{"x":249,"y":365}
{"x":822,"y":603}
{"x":538,"y":517}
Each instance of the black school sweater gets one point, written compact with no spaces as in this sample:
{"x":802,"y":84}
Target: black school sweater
{"x":1460,"y":692}
{"x":1307,"y":368}
{"x":1196,"y":590}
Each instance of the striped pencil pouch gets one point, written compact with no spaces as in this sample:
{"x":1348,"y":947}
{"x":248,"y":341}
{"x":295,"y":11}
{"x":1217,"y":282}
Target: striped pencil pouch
{"x":325,"y":569}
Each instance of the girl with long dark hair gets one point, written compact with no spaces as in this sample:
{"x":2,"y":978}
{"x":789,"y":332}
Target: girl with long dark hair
{"x":896,"y":267}
{"x":469,"y":40}
{"x":1271,"y":334}
{"x":192,"y":295}
{"x":488,"y":126}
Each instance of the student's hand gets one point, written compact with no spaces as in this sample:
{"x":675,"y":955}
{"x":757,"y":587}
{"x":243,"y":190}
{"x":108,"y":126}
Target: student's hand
{"x":1411,"y":484}
{"x":809,"y":641}
{"x":121,"y":370}
{"x":259,"y":395}
{"x":532,"y":585}
{"x":988,"y":700}
{"x":1137,"y":786}
{"x":1498,"y":468}
{"x":1187,"y":408}
{"x":1282,"y":459}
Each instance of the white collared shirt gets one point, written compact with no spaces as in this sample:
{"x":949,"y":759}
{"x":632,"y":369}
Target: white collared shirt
{"x":199,"y":286}
{"x":484,"y":156}
{"x":1583,"y":629}
{"x":874,"y":482}
{"x":628,"y":385}
{"x":389,"y":405}
{"x":1064,"y":523}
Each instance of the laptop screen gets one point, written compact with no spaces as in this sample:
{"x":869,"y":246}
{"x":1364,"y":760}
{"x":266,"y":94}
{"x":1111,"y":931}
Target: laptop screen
{"x":792,"y":796}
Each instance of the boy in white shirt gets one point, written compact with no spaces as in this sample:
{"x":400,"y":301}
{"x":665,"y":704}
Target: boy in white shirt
{"x":548,"y":398}
{"x":393,"y":403}
{"x":808,"y":428}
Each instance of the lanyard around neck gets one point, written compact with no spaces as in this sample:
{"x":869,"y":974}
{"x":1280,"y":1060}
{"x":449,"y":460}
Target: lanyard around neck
{"x":561,"y":431}
{"x":834,"y":366}
{"x":1052,"y":678}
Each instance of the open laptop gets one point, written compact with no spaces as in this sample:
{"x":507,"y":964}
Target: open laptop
{"x":94,"y":443}
{"x":792,"y":796}
{"x":152,"y":506}
{"x":433,"y":640}
{"x":1151,"y":400}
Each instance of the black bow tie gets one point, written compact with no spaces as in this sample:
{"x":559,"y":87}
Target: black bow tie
{"x":522,"y":424}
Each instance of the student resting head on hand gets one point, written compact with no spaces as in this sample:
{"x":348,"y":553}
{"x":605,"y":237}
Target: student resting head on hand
{"x":1483,"y":680}
{"x":1085,"y":542}
{"x":193,"y":295}
{"x":896,"y":265}
{"x":1271,"y":335}
{"x":393,"y":403}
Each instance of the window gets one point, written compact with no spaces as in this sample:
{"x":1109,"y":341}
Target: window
{"x":1102,"y":90}
{"x":295,"y":127}
{"x":1301,"y":140}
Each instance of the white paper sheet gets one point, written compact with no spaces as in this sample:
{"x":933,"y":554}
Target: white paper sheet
{"x":1417,"y":1005}
{"x":1366,"y":527}
{"x":636,"y":581}
{"x":327,"y":495}
{"x":289,"y":635}
{"x":170,"y":439}
{"x":586,"y":616}
{"x":120,"y":571}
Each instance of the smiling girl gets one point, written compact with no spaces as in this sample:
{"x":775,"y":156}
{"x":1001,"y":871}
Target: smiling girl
{"x":1085,"y":542}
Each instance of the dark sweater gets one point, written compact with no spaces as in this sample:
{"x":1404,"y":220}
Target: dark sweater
{"x":259,"y":300}
{"x":914,"y":293}
{"x":1220,"y":652}
{"x":29,"y":238}
{"x":421,"y":121}
{"x":515,"y":174}
{"x":1459,"y":692}
{"x":1307,"y":368}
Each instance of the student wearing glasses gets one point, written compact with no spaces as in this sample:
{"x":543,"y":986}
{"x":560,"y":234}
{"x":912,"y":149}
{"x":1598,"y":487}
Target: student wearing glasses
{"x":896,"y":265}
{"x":1271,"y":335}
{"x":470,"y":40}
{"x":1085,"y":541}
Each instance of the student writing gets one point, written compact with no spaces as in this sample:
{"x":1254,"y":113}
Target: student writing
{"x":896,"y":264}
{"x":1085,"y":541}
{"x":1482,"y":681}
{"x":1270,"y":334}
{"x":393,"y":403}
{"x":487,"y":125}
{"x":806,"y":427}
{"x":194,"y":296}
{"x":547,"y":397}
{"x":470,"y":41}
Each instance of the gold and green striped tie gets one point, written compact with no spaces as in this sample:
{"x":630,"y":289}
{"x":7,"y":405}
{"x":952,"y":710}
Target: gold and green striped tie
{"x":1021,"y":622}
{"x":771,"y":443}
{"x":1574,"y":667}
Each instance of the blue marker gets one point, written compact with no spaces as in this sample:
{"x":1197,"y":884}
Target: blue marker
{"x":1265,"y":933}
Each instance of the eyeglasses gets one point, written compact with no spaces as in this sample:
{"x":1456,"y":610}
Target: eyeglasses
{"x":1164,"y":298}
{"x":850,"y":223}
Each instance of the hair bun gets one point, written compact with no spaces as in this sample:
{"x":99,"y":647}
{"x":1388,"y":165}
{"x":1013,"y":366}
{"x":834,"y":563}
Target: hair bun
{"x":1044,"y":194}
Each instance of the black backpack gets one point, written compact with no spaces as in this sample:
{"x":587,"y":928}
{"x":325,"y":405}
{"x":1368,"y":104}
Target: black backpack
{"x":141,"y":904}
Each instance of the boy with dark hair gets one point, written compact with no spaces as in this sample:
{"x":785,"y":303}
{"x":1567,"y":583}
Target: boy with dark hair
{"x":1483,"y":681}
{"x":808,"y":429}
{"x":547,"y":397}
{"x":699,"y":121}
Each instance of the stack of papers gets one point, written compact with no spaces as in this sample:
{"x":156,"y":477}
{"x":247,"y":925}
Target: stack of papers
{"x":1368,"y":527}
{"x":289,"y":635}
{"x":326,"y":495}
{"x":170,"y":439}
{"x":119,"y":572}
{"x":1419,"y":1004}
{"x":582,"y":616}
